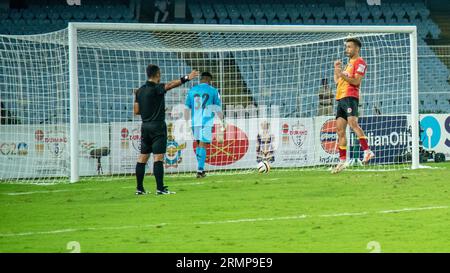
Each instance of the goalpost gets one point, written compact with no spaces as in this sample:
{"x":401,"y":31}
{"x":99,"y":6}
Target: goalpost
{"x":269,"y":78}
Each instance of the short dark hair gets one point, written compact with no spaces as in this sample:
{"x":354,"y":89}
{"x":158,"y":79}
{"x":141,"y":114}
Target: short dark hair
{"x":152,"y":70}
{"x":206,"y":74}
{"x":355,"y":41}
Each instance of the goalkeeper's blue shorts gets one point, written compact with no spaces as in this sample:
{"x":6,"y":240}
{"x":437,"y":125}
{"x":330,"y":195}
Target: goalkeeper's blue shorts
{"x":202,"y":133}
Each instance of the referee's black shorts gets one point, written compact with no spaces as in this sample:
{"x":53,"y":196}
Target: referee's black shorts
{"x":153,"y":137}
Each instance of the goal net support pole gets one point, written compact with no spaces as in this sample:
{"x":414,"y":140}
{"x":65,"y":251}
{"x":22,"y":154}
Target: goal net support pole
{"x":74,"y":98}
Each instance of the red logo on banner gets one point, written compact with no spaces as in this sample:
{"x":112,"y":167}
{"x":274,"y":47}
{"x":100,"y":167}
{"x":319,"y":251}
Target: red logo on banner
{"x":124,"y":133}
{"x":39,"y":135}
{"x":328,"y":136}
{"x":231,"y":150}
{"x":285,"y":129}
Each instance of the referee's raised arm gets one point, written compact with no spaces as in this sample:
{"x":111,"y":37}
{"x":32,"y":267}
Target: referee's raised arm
{"x":175,"y":83}
{"x":136,"y":104}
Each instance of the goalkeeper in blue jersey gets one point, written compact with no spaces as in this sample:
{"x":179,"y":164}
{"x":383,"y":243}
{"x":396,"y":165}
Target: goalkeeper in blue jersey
{"x":202,"y":103}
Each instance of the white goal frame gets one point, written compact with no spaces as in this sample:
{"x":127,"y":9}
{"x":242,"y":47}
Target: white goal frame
{"x":73,"y":69}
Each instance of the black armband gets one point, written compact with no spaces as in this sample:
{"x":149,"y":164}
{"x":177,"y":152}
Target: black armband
{"x":184,"y":79}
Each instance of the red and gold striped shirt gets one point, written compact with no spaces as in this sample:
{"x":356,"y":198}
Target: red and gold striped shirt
{"x":345,"y":89}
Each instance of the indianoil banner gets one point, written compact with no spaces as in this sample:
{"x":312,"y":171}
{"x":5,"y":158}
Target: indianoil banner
{"x":388,"y":137}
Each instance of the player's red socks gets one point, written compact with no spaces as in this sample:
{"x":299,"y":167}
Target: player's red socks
{"x":363,"y":143}
{"x":342,"y":152}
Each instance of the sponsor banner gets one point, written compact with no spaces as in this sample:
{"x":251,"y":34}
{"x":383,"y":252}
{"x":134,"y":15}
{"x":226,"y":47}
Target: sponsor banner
{"x":436,"y":133}
{"x":297,"y":146}
{"x":33,"y":151}
{"x":125,"y":146}
{"x":227,"y":150}
{"x":325,"y":148}
{"x":231,"y":150}
{"x":388,"y":138}
{"x":43,"y":150}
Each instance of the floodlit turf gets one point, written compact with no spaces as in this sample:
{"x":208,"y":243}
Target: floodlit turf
{"x":284,"y":211}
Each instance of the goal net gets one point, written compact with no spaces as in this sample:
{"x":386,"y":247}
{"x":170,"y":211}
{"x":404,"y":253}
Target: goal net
{"x":67,"y":98}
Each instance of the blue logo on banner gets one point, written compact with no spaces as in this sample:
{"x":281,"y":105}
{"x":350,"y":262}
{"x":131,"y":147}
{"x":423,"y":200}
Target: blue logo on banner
{"x":388,"y":137}
{"x":447,"y":128}
{"x":431,"y":132}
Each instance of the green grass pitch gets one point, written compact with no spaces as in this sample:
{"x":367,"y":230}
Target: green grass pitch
{"x":284,"y":211}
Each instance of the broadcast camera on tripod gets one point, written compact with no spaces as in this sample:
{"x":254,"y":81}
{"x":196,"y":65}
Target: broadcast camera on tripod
{"x":98,"y":154}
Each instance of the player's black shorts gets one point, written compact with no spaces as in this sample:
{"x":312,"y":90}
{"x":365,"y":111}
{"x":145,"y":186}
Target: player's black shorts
{"x":347,"y":107}
{"x":154,"y":137}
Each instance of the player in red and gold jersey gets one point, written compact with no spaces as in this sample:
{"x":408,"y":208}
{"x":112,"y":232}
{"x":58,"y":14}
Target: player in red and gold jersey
{"x":348,"y":83}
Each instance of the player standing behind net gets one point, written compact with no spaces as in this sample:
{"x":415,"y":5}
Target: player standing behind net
{"x":150,"y":104}
{"x":202,"y":102}
{"x":347,"y":95}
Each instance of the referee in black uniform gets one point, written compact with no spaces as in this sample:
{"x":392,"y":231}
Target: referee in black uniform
{"x":150,"y":104}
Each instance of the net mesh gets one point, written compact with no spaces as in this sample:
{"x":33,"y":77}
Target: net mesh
{"x":277,"y":95}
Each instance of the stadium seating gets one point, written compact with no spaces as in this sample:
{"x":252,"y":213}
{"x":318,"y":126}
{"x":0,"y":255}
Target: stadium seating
{"x":415,"y":13}
{"x":263,"y":13}
{"x":41,"y":19}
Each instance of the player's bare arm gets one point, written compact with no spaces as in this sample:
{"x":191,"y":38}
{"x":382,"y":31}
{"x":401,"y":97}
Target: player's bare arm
{"x":353,"y":81}
{"x":136,"y":109}
{"x":222,"y":120}
{"x":175,"y":83}
{"x":220,"y":115}
{"x":187,"y":117}
{"x":187,"y":114}
{"x":337,"y":70}
{"x":136,"y":104}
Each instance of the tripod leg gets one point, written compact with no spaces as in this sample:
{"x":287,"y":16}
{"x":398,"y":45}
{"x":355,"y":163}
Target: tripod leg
{"x":99,"y":165}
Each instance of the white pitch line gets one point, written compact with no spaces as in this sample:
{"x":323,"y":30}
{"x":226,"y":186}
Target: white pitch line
{"x":126,"y":227}
{"x":38,"y":232}
{"x":181,"y":184}
{"x":91,"y":189}
{"x":253,"y":220}
{"x":127,"y":187}
{"x":344,"y":214}
{"x":303,"y":216}
{"x":52,"y":191}
{"x":78,"y":230}
{"x":412,"y":209}
{"x":193,"y":183}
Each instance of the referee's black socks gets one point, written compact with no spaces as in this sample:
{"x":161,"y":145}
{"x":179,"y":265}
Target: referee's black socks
{"x":158,"y":172}
{"x":140,"y":173}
